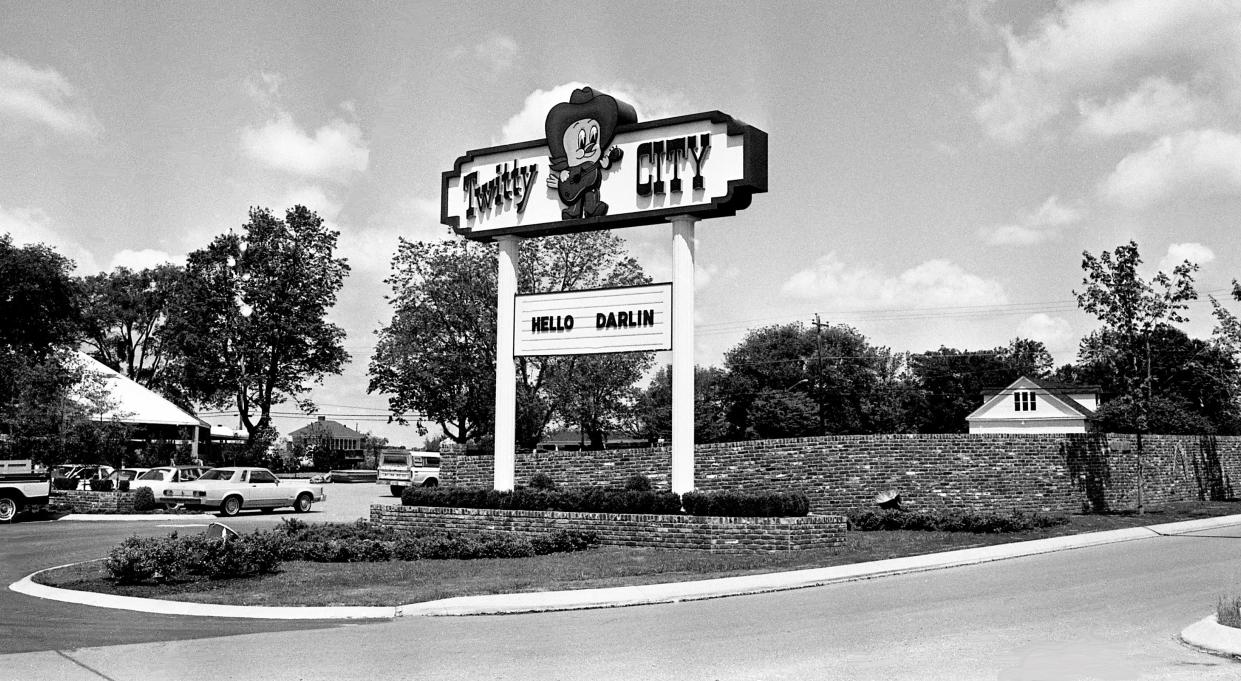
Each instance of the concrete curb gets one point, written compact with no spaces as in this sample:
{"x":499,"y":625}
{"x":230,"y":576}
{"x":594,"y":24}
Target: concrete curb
{"x":1209,"y":635}
{"x":26,"y":585}
{"x":581,"y":599}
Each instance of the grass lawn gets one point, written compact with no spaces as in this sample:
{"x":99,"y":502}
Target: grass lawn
{"x":397,"y":582}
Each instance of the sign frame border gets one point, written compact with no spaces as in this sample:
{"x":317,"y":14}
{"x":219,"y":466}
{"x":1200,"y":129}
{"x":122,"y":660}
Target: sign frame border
{"x":740,"y":192}
{"x":671,"y":318}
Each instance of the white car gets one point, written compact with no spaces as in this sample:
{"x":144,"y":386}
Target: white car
{"x":233,"y":489}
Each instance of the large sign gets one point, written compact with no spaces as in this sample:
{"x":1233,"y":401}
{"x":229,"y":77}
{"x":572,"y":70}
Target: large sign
{"x":598,"y":168}
{"x":628,"y":319}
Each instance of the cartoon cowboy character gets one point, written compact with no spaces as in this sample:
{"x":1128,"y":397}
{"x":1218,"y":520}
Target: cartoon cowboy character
{"x":579,"y":135}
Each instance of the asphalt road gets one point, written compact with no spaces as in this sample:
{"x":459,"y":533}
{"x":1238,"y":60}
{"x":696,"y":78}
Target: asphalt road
{"x":1108,"y":612}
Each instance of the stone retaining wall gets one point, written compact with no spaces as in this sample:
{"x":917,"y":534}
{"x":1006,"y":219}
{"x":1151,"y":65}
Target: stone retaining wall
{"x":714,"y":534}
{"x":87,"y":501}
{"x":1056,"y":473}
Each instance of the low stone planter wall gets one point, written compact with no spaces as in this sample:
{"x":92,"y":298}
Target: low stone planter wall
{"x":715,"y":534}
{"x":87,"y":501}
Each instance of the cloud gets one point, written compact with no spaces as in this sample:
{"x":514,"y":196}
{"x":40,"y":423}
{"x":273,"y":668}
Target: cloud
{"x":370,"y":248}
{"x":264,"y":87}
{"x":32,"y":226}
{"x":935,"y":283}
{"x":527,"y":124}
{"x":45,"y":97}
{"x":497,"y":51}
{"x":143,"y":259}
{"x":1054,"y":332}
{"x":1157,"y":106}
{"x":1192,"y":164}
{"x":1110,"y":50}
{"x":334,"y":152}
{"x":1043,"y":224}
{"x":1177,"y":253}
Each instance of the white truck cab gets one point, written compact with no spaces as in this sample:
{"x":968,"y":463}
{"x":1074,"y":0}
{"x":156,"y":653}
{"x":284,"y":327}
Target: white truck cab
{"x":400,"y":468}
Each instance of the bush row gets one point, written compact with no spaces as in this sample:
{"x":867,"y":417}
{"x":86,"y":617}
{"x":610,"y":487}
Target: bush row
{"x":611,"y":500}
{"x":951,"y":521}
{"x":174,"y":558}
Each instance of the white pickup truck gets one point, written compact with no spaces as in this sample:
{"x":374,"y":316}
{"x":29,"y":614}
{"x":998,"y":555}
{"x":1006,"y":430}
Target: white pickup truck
{"x":21,"y":488}
{"x":399,"y":468}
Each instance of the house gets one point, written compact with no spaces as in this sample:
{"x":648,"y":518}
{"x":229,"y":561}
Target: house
{"x":1031,"y":405}
{"x":345,"y":443}
{"x":124,"y":401}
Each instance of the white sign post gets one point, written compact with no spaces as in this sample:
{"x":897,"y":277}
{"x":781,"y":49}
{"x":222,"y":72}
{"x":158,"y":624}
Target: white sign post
{"x":599,"y":168}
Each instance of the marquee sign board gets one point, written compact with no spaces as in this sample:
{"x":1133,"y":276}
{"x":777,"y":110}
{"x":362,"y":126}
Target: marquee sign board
{"x":600,"y":169}
{"x":626,"y":319}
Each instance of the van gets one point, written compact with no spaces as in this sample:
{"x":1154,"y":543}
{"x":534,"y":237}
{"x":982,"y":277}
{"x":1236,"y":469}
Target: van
{"x":400,"y":468}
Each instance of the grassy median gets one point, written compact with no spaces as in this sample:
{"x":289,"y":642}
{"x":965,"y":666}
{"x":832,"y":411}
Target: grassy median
{"x":399,"y":582}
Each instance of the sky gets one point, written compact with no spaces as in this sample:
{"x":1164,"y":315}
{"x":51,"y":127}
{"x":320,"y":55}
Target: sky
{"x":936,"y":169}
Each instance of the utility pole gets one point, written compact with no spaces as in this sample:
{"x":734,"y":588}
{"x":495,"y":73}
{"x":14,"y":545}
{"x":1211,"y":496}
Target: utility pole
{"x":818,"y":374}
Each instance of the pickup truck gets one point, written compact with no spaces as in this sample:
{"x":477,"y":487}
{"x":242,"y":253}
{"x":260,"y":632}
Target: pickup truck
{"x":399,"y":468}
{"x":21,"y":488}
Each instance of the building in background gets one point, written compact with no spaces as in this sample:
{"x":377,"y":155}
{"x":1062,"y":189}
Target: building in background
{"x":330,"y":444}
{"x":1029,"y":405}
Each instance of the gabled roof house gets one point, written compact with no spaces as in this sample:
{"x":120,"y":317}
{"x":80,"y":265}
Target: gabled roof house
{"x":1031,"y":405}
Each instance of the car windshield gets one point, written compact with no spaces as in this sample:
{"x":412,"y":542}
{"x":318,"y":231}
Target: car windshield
{"x":396,"y":459}
{"x":127,"y":475}
{"x":218,"y":474}
{"x":153,"y":475}
{"x":62,"y":471}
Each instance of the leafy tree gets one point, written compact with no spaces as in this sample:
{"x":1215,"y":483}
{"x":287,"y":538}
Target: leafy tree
{"x":436,"y":358}
{"x":1131,"y":309}
{"x":125,"y":312}
{"x":250,"y":317}
{"x":40,"y":303}
{"x":654,"y":410}
{"x":852,"y":384}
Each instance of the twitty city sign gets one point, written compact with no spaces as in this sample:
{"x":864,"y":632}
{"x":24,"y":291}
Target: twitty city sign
{"x":599,"y":168}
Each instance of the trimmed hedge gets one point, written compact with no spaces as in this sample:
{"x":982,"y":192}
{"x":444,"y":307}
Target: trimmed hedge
{"x":101,"y":485}
{"x":65,"y":484}
{"x":174,"y":559}
{"x":746,"y":504}
{"x":951,"y":521}
{"x":144,"y":499}
{"x":611,"y":500}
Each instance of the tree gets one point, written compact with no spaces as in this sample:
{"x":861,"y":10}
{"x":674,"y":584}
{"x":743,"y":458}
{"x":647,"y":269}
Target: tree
{"x":851,"y":383}
{"x":653,"y":415}
{"x":125,"y":312}
{"x":436,"y":358}
{"x":250,"y":317}
{"x":1131,"y":309}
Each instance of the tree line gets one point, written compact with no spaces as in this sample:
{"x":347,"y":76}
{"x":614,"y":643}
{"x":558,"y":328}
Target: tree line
{"x":243,"y":325}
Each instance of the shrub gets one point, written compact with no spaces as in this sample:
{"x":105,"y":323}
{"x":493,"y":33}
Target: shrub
{"x":167,"y":559}
{"x":122,"y":485}
{"x":144,"y":499}
{"x":951,"y":521}
{"x":638,"y":483}
{"x":1228,"y":611}
{"x":65,"y":484}
{"x":591,"y":499}
{"x":746,"y":504}
{"x":542,"y":481}
{"x":142,"y":559}
{"x":564,"y":541}
{"x":100,"y":485}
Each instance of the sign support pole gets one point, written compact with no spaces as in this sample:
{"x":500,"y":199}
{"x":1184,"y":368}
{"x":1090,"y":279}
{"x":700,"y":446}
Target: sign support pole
{"x":506,"y":369}
{"x":683,"y":353}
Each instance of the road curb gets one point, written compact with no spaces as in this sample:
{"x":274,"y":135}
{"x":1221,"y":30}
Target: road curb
{"x":27,"y":585}
{"x":1209,"y":635}
{"x":582,"y":599}
{"x":124,"y":517}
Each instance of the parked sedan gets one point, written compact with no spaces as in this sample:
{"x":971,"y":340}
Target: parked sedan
{"x":230,"y":490}
{"x":155,"y":477}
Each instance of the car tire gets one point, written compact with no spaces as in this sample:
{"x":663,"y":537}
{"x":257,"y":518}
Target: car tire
{"x":397,"y":490}
{"x":230,"y":506}
{"x":304,"y":500}
{"x":430,"y":482}
{"x":8,"y":508}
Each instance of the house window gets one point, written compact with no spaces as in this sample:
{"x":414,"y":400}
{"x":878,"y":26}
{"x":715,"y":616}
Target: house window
{"x":1024,"y":400}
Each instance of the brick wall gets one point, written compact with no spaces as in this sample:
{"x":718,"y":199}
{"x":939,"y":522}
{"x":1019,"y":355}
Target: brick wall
{"x":717,"y":535}
{"x":86,"y":501}
{"x":1048,"y":472}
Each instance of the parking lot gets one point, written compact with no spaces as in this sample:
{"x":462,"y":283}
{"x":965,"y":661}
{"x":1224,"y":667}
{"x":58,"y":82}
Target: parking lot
{"x":347,"y":502}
